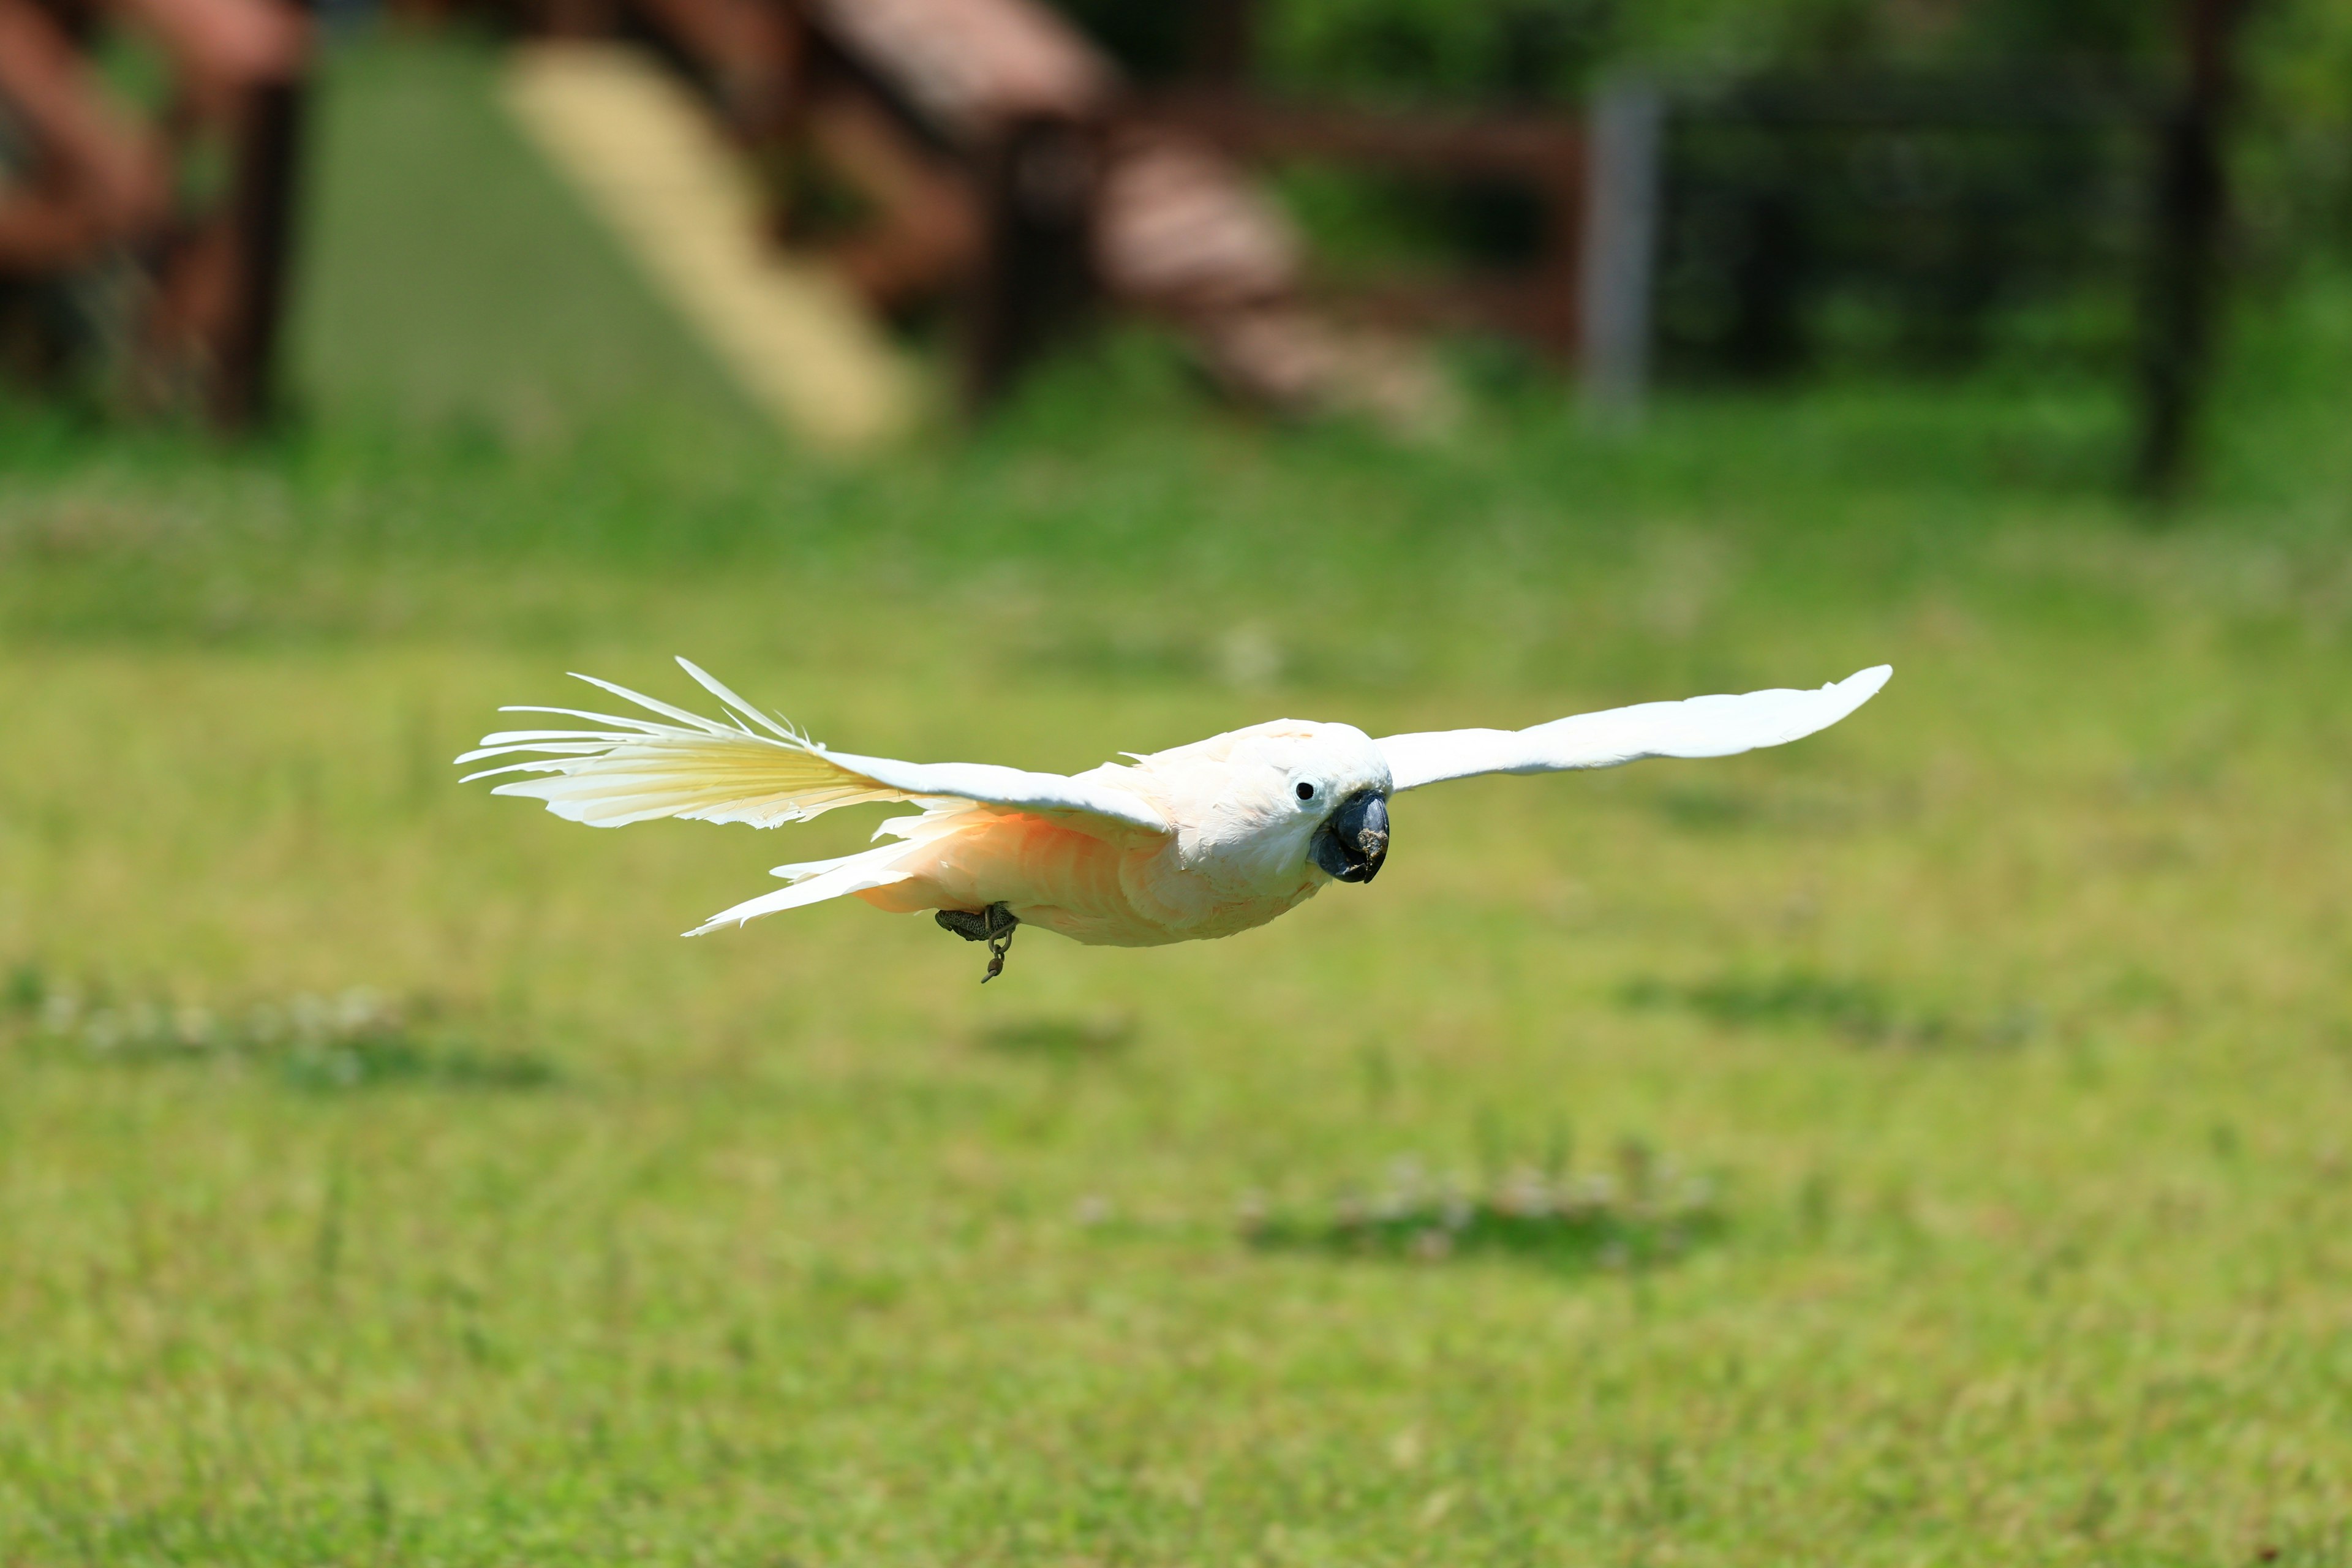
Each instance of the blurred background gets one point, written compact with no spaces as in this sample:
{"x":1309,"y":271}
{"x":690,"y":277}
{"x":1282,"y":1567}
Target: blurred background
{"x":1924,"y":1142}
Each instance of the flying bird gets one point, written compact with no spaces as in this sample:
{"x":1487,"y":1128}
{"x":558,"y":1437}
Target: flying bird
{"x":1201,"y":841}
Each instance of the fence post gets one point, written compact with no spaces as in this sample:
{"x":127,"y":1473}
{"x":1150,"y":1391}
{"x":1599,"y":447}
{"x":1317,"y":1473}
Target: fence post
{"x":1037,"y":176}
{"x":261,"y":218}
{"x":1622,"y":196}
{"x":2190,"y":207}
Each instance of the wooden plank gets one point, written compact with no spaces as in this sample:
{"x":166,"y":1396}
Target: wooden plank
{"x":103,"y":179}
{"x":651,"y":164}
{"x":1456,"y":145}
{"x":745,"y":49}
{"x":225,"y":45}
{"x":970,"y":66}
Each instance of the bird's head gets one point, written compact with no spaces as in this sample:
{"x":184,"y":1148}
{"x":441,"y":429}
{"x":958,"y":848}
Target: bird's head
{"x":1304,"y":794}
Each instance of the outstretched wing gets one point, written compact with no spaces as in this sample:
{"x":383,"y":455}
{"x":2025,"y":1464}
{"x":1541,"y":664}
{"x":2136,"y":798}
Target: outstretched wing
{"x":1701,"y":727}
{"x":750,"y":768}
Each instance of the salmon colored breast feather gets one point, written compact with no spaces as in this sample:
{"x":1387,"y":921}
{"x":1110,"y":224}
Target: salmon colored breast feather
{"x":1074,"y":884}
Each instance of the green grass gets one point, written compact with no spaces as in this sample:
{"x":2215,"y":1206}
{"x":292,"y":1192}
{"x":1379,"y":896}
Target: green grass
{"x":1941,"y":1125}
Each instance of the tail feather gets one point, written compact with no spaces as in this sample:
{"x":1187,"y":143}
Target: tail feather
{"x":814,"y":881}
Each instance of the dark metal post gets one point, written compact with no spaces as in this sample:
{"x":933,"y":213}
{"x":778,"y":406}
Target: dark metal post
{"x":1619,"y":244}
{"x":2184,"y":256}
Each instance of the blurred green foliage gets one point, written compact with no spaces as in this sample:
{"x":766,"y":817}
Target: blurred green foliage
{"x":1482,"y":49}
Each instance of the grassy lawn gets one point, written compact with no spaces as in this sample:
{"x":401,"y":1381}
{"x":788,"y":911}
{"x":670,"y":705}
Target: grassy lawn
{"x":1940,"y":1131}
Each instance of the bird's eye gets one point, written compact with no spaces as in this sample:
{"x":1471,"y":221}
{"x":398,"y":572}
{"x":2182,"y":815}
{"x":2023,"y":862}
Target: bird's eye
{"x":1305,"y":790}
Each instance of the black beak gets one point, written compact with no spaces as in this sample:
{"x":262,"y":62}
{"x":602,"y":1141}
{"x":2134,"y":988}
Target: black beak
{"x":1355,"y":839}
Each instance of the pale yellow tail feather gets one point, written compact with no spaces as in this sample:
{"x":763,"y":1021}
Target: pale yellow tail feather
{"x":818,"y":882}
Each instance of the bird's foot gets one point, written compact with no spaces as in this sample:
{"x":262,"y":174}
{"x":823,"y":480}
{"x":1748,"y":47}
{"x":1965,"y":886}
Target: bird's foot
{"x":992,"y":925}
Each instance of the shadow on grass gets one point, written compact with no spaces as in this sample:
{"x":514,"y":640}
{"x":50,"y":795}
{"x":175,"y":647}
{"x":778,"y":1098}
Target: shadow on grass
{"x":1859,"y":1011}
{"x":356,"y":1040}
{"x":383,"y":1061}
{"x":1570,"y":1224}
{"x":1059,"y":1039}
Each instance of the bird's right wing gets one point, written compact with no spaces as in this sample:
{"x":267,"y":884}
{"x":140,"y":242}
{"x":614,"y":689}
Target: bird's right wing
{"x":751,"y":769}
{"x":1700,"y":727}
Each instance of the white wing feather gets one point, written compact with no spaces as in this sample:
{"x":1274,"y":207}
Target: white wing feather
{"x":1700,"y":727}
{"x":749,"y":768}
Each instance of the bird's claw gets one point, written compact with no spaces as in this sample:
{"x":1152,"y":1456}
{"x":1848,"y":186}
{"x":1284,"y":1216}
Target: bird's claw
{"x":992,"y":925}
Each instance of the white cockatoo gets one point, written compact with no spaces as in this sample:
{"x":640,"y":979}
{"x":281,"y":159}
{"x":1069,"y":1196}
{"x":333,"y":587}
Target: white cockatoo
{"x":1197,"y":841}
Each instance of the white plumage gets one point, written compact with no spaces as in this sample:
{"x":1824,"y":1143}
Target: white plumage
{"x":1201,"y":841}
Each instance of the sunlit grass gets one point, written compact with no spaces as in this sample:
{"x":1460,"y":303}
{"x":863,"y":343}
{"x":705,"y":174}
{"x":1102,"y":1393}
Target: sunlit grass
{"x":1926,"y":1143}
{"x":2008,"y":1023}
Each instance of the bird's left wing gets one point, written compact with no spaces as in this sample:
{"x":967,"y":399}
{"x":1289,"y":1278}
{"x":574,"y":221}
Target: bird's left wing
{"x":1700,"y":727}
{"x":750,"y":768}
